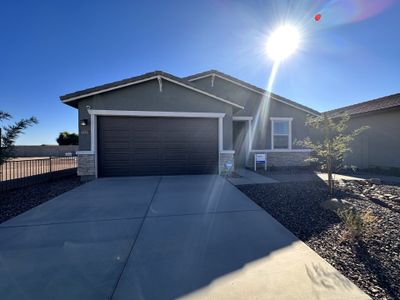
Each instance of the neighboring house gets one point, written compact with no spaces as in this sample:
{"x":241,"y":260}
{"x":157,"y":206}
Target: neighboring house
{"x":159,"y":124}
{"x":379,"y":146}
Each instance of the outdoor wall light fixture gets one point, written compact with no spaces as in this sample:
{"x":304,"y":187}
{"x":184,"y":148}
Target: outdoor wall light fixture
{"x":84,"y":122}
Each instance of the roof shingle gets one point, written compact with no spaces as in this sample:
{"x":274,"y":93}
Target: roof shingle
{"x":378,"y":104}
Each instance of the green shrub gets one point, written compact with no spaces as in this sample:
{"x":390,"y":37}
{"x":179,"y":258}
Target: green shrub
{"x":357,"y":224}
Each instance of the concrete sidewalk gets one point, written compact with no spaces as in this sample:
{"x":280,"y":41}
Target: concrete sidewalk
{"x":250,"y":177}
{"x":190,"y":237}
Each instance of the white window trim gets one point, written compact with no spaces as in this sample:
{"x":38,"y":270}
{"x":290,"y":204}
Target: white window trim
{"x":289,"y":135}
{"x":93,"y":130}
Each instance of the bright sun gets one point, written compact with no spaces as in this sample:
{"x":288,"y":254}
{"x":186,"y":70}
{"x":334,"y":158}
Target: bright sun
{"x":283,"y":42}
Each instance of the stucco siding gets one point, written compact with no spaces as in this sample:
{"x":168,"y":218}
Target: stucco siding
{"x":239,"y":95}
{"x":147,"y":97}
{"x":262,"y":135}
{"x":379,"y":146}
{"x":252,"y":102}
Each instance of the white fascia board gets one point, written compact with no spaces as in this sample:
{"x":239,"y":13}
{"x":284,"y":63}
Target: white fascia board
{"x":253,"y":90}
{"x":110,"y":89}
{"x":100,"y":112}
{"x":201,"y":77}
{"x":203,"y":92}
{"x":158,"y":77}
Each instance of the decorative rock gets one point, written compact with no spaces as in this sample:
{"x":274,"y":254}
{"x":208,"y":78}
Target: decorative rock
{"x":334,"y":204}
{"x":373,"y":264}
{"x":374,"y":180}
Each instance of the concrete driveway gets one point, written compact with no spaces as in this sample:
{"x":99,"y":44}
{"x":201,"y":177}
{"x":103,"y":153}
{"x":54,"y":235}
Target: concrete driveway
{"x":192,"y":237}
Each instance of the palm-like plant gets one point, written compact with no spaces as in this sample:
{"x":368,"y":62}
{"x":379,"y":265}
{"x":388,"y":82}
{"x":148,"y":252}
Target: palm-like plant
{"x":9,"y":134}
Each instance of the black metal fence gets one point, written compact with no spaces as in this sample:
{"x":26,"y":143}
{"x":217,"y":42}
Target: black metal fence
{"x":18,"y":173}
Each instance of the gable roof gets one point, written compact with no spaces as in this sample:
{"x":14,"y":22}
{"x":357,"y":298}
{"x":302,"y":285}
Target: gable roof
{"x":378,"y":104}
{"x":251,"y":87}
{"x":73,"y":98}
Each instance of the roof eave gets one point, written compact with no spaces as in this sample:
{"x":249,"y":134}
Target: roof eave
{"x":72,"y":98}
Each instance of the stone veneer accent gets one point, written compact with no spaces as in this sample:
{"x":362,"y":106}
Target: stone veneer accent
{"x":86,"y":165}
{"x":284,"y":159}
{"x":224,"y":157}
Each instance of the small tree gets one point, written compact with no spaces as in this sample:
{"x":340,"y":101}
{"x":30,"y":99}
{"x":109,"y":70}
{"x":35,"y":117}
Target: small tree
{"x":8,"y":134}
{"x":336,"y":139}
{"x":66,"y":138}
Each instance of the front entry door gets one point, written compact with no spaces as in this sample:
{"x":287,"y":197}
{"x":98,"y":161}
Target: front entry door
{"x":240,"y":129}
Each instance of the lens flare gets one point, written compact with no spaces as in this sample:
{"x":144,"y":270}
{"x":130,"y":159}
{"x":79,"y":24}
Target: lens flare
{"x":337,"y":12}
{"x":283,"y":42}
{"x":261,"y":118}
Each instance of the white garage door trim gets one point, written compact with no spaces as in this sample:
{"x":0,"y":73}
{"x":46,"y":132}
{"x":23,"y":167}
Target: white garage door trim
{"x":94,"y":113}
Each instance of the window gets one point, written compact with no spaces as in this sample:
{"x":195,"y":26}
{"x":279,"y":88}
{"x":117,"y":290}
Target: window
{"x":281,"y":133}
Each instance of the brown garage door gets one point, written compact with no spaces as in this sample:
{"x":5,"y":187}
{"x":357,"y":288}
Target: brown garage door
{"x":135,"y":146}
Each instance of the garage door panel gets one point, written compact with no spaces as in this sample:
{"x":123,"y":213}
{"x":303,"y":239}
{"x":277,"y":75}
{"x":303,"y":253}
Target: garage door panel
{"x":146,"y":158}
{"x":144,"y":135}
{"x":115,"y":156}
{"x":176,"y":154}
{"x":205,"y":147}
{"x":145,"y":146}
{"x":130,"y":146}
{"x":176,"y":136}
{"x":171,"y":145}
{"x":116,"y":145}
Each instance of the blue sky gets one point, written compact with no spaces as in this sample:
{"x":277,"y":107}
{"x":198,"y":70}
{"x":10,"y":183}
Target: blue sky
{"x":49,"y":48}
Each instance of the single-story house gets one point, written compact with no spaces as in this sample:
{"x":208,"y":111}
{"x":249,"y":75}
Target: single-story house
{"x":379,"y":146}
{"x":160,"y":124}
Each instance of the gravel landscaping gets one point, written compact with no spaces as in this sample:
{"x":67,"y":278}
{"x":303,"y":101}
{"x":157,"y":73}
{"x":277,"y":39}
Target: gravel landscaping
{"x":15,"y":202}
{"x":373,"y":261}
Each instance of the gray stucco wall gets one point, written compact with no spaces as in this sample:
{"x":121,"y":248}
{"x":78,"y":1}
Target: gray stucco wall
{"x":147,"y":97}
{"x":232,"y":92}
{"x":379,"y":146}
{"x":252,"y":101}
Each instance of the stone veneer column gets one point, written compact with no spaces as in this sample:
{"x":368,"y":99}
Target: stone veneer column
{"x":86,"y":166}
{"x":224,"y":156}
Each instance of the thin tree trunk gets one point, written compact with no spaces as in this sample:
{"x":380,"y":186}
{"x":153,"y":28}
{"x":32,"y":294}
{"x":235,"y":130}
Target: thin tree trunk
{"x":330,"y":179}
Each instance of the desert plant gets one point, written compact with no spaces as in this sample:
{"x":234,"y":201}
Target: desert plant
{"x":357,"y":224}
{"x":66,"y":138}
{"x":9,"y":134}
{"x":329,"y":152}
